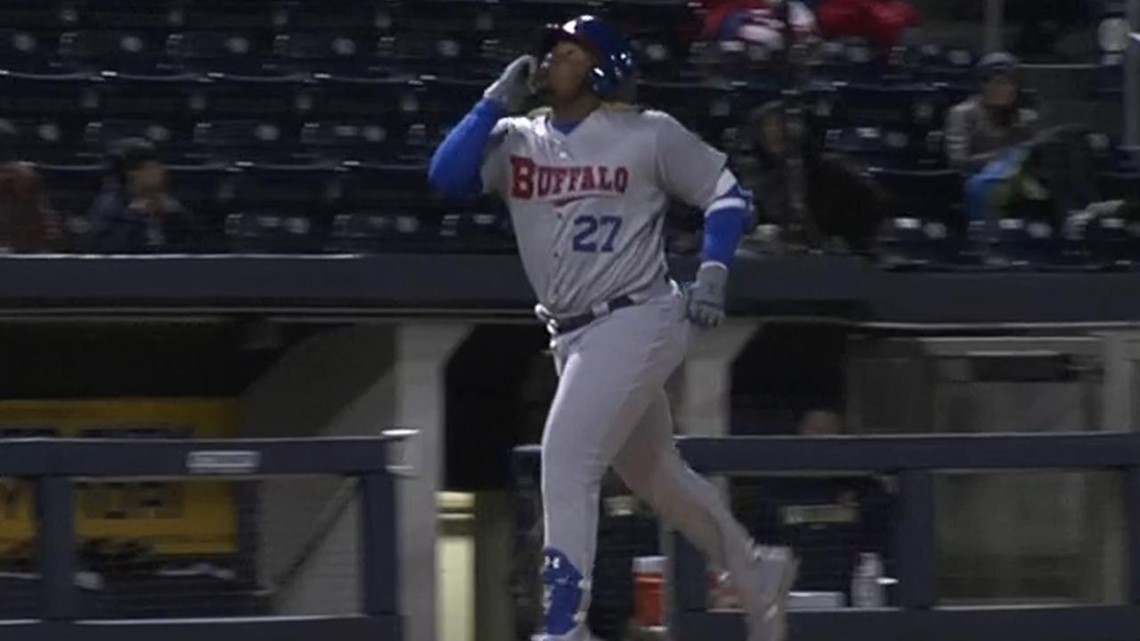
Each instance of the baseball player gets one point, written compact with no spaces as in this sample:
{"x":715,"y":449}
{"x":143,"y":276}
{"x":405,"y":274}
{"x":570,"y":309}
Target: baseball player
{"x":587,"y":182}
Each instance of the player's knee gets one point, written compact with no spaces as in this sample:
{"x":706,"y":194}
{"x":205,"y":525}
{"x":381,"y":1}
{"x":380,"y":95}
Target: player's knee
{"x":564,"y":589}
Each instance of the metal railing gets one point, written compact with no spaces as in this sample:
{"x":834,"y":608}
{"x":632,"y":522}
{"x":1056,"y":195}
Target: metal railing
{"x":53,"y":465}
{"x":914,"y":459}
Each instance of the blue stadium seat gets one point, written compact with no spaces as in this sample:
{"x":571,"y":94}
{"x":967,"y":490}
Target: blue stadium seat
{"x":241,"y":16}
{"x":31,"y":52}
{"x":366,"y":141}
{"x":174,"y":140}
{"x":249,"y":140}
{"x":171,"y":99}
{"x":476,"y":231}
{"x":1112,"y":242}
{"x":237,"y":97}
{"x":904,"y":108}
{"x":140,"y":52}
{"x":327,"y":52}
{"x":923,"y":194}
{"x":207,"y":190}
{"x":301,"y":189}
{"x":34,"y":96}
{"x":951,"y":66}
{"x":394,"y":188}
{"x":48,"y":140}
{"x":271,"y":232}
{"x":907,"y":243}
{"x":42,"y":16}
{"x":229,"y":52}
{"x":378,"y":231}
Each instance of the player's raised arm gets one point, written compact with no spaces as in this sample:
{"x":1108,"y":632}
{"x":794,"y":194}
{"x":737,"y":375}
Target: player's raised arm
{"x":460,"y":166}
{"x":691,"y":170}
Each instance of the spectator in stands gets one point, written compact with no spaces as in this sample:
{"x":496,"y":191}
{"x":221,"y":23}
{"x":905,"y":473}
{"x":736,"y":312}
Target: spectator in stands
{"x":754,"y":21}
{"x":843,"y":202}
{"x":989,"y":124}
{"x":27,"y":223}
{"x":134,"y":213}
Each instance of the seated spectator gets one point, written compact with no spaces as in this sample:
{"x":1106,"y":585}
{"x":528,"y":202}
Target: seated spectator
{"x":987,"y":138}
{"x":985,"y":126}
{"x":843,"y":202}
{"x":27,"y":223}
{"x":134,"y":213}
{"x":754,"y":21}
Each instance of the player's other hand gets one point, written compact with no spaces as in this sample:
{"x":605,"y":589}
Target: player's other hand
{"x":514,"y":85}
{"x":704,"y":298}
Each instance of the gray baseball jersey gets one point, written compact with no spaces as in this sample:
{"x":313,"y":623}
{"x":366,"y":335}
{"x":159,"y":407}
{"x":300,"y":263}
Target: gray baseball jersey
{"x":588,"y":207}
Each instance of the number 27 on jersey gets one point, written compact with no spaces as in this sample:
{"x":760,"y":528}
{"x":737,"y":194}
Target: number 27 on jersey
{"x":594,"y":234}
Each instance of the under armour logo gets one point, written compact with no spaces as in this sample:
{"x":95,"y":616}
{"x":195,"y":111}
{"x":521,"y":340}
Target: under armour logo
{"x":551,"y":562}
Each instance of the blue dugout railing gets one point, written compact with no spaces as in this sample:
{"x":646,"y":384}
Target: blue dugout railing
{"x":915,"y":460}
{"x":53,"y":465}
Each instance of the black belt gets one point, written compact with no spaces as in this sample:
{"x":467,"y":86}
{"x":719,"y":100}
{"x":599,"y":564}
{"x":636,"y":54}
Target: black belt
{"x":568,"y":324}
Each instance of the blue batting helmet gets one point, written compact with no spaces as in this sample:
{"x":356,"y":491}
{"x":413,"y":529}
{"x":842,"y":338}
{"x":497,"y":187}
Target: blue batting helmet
{"x":614,"y":66}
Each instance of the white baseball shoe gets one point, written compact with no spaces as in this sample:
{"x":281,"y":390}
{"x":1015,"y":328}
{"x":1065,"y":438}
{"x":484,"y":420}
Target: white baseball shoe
{"x":764,"y":592}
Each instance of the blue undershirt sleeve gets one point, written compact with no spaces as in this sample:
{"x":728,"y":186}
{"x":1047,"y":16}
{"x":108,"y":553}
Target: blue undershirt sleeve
{"x":457,"y":163}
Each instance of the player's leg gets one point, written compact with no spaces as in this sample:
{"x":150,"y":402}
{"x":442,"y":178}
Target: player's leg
{"x":608,"y":376}
{"x":651,"y":466}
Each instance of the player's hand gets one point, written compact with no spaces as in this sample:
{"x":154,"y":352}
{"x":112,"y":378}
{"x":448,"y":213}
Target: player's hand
{"x":514,"y":86}
{"x":704,"y":298}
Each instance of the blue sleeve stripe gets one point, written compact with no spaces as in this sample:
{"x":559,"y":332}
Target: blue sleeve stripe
{"x":723,"y":230}
{"x":725,"y":221}
{"x":457,"y":162}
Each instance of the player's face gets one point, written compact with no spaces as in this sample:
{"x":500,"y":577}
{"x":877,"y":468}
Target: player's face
{"x":569,"y":66}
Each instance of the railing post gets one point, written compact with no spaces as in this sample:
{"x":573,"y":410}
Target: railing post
{"x":56,"y":543}
{"x":914,"y":540}
{"x":687,"y":583}
{"x":380,"y":574}
{"x":1132,"y":513}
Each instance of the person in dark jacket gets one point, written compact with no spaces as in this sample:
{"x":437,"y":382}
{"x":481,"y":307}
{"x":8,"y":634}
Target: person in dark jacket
{"x":134,"y":213}
{"x":843,"y":202}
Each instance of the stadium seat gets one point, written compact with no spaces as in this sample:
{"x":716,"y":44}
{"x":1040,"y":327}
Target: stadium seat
{"x":271,"y":232}
{"x":174,"y":140}
{"x":249,"y":140}
{"x":241,"y":16}
{"x":228,"y":52}
{"x":141,"y":53}
{"x":377,"y":231}
{"x":904,"y":108}
{"x":228,"y":96}
{"x":172,"y":98}
{"x":39,"y":16}
{"x":396,"y":188}
{"x":31,"y":52}
{"x":48,"y":140}
{"x":923,"y":194}
{"x":330,"y":53}
{"x":301,"y":189}
{"x":951,"y":66}
{"x":207,"y":190}
{"x":366,"y":141}
{"x":33,"y":96}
